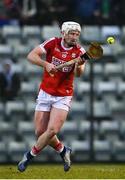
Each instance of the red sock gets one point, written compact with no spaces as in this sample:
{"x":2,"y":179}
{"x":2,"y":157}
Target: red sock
{"x":35,"y":151}
{"x":59,"y":147}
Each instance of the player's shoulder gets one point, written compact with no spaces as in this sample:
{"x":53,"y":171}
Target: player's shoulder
{"x":58,"y":39}
{"x":50,"y":40}
{"x":54,"y":40}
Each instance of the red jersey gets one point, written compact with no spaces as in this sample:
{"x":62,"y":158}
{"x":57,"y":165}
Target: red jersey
{"x":62,"y":82}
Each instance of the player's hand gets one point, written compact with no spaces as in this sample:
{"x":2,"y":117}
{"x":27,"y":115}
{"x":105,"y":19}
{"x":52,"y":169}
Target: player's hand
{"x":80,"y":62}
{"x":50,"y":68}
{"x":77,"y":66}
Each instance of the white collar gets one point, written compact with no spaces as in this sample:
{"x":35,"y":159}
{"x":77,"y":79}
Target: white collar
{"x":64,"y":46}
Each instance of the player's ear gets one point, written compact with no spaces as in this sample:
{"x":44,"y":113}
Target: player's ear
{"x":63,"y":33}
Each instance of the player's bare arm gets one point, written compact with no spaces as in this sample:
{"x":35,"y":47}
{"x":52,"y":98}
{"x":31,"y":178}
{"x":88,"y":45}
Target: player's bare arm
{"x":35,"y":58}
{"x":79,"y":69}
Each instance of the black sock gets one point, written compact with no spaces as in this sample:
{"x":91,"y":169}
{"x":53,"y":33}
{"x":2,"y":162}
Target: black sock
{"x":29,"y":155}
{"x":63,"y":152}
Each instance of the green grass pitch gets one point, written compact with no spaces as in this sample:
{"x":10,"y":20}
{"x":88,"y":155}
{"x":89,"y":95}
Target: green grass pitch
{"x":82,"y":171}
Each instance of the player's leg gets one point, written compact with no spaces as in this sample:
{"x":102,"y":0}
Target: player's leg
{"x":43,"y":140}
{"x":40,"y":127}
{"x":56,"y":144}
{"x":63,"y":103}
{"x":64,"y":151}
{"x":57,"y":118}
{"x":41,"y":122}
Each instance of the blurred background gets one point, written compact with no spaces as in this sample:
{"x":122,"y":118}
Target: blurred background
{"x":95,"y":127}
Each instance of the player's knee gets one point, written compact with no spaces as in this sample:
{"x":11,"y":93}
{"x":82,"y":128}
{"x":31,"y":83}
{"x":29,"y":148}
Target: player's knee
{"x":52,"y":131}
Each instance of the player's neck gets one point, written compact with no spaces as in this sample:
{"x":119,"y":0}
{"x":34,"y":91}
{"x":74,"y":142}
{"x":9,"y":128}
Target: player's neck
{"x":65,"y":45}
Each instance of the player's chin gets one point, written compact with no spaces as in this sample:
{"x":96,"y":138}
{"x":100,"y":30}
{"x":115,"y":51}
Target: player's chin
{"x":72,"y":44}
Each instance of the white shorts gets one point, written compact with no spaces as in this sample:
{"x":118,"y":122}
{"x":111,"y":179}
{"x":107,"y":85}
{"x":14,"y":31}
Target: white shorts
{"x":46,"y":101}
